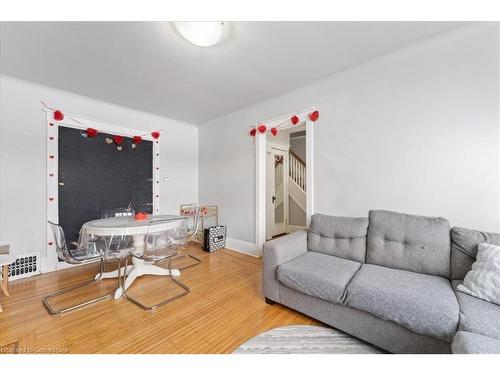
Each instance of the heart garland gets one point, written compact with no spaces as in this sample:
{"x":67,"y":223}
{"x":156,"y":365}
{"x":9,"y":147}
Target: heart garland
{"x":58,"y":115}
{"x":118,"y":140}
{"x":294,"y":120}
{"x":91,"y":132}
{"x":313,"y":116}
{"x":136,"y":141}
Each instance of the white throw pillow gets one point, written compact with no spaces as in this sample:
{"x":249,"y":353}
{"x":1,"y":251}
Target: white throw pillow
{"x":483,"y":280}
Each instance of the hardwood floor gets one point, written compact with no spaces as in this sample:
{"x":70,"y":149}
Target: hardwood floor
{"x":224,"y":309}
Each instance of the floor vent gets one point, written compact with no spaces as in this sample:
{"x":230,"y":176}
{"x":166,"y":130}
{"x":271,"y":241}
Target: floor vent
{"x":25,"y":265}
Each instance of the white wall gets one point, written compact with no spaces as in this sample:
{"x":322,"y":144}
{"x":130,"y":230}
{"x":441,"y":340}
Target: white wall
{"x":23,"y":156}
{"x":415,"y":131}
{"x":298,"y":145}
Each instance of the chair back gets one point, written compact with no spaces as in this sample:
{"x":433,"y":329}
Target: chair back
{"x":76,"y":256}
{"x":164,"y":238}
{"x":192,"y":213}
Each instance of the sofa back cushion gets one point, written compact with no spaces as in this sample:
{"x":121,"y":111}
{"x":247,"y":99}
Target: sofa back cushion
{"x":344,"y":237}
{"x":464,"y":244}
{"x":409,"y":242}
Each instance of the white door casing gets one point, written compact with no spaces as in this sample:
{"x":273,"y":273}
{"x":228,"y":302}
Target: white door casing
{"x":260,"y":173}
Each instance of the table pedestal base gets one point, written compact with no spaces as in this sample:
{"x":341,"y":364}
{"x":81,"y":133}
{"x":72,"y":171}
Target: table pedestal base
{"x":138,"y":269}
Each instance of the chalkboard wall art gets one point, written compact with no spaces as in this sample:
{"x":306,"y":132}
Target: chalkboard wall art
{"x":94,"y":177}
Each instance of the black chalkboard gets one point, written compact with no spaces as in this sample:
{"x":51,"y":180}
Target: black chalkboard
{"x":95,"y":176}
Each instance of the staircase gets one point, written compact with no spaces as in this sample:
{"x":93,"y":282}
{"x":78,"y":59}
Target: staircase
{"x":297,"y":180}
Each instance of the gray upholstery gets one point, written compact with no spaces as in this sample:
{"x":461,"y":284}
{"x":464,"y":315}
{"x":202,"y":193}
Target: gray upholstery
{"x":477,"y":315}
{"x":464,"y":249}
{"x":399,"y":299}
{"x":276,"y":252}
{"x":409,"y":242}
{"x":382,"y":333}
{"x":425,"y":304}
{"x":344,"y":237}
{"x":318,"y":275}
{"x":472,"y":343}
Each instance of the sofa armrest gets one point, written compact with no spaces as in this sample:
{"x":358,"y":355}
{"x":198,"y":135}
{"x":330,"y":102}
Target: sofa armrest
{"x":277,"y":252}
{"x":473,"y":343}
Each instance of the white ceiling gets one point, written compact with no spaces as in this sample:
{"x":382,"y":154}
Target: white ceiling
{"x":148,"y":66}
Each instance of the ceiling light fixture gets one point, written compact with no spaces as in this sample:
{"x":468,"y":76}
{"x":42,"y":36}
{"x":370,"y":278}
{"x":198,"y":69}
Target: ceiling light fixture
{"x":202,"y":34}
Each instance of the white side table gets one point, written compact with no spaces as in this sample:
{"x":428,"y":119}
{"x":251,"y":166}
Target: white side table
{"x":5,"y":260}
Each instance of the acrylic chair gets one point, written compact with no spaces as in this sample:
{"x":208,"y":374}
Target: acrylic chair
{"x":82,"y":254}
{"x":161,"y":246}
{"x":193,"y":213}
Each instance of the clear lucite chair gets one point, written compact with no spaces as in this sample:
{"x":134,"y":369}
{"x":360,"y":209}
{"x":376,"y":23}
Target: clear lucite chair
{"x":87,"y":250}
{"x":161,"y":246}
{"x":192,"y":214}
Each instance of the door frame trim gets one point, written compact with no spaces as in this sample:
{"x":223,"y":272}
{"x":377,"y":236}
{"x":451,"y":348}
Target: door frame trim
{"x":49,"y":260}
{"x":260,"y":172}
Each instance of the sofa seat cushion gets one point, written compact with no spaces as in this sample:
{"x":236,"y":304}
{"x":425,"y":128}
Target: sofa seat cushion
{"x":477,"y":315}
{"x":318,"y":275}
{"x":424,"y":304}
{"x":472,"y":343}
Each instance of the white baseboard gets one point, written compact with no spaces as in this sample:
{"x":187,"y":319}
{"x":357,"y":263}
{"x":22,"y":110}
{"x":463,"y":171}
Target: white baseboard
{"x":243,"y":247}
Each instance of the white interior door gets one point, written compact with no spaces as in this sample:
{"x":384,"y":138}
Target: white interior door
{"x":276,"y":192}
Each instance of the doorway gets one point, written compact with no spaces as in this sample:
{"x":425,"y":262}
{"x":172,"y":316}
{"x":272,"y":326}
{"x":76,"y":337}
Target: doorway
{"x":286,"y":206}
{"x":261,"y":141}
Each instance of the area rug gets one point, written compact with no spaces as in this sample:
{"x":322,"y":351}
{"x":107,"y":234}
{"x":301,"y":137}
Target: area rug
{"x":306,"y":340}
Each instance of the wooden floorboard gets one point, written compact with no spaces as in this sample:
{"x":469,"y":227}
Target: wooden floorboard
{"x":224,"y":309}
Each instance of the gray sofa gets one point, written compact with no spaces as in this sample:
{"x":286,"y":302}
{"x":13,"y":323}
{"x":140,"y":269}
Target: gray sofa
{"x":389,"y":279}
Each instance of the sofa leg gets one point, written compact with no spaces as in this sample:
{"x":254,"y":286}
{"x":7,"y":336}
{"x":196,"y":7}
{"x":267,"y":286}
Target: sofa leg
{"x":270,"y":301}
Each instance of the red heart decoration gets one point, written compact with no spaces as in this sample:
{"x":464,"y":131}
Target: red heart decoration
{"x":252,"y":132}
{"x":58,"y":115}
{"x":294,"y":119}
{"x":51,"y":138}
{"x":91,"y":132}
{"x":118,"y":139}
{"x":50,"y":243}
{"x":137,"y":140}
{"x":262,"y":128}
{"x":51,"y":156}
{"x":155,"y":135}
{"x":51,"y":199}
{"x":313,"y":116}
{"x":274,"y":131}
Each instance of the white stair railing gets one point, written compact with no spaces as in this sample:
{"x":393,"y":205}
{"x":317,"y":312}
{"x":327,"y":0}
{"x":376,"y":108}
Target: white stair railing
{"x":297,"y":170}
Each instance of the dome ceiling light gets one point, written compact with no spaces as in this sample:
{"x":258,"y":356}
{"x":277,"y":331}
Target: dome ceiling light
{"x":202,"y":34}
